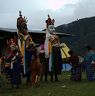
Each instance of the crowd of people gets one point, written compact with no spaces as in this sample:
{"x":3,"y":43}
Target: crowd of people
{"x":43,"y":60}
{"x":38,"y":66}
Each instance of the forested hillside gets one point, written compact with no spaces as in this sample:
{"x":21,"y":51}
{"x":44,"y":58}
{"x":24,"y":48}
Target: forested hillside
{"x":84,"y":31}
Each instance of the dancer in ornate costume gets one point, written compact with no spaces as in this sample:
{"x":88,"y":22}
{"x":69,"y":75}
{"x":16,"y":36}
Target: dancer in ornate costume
{"x":15,"y":60}
{"x":52,"y":49}
{"x":24,"y":39}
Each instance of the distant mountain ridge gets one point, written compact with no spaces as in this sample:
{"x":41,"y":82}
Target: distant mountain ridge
{"x":84,"y":31}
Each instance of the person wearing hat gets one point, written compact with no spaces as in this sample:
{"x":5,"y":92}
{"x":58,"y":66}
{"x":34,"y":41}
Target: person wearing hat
{"x":15,"y":61}
{"x":22,"y":24}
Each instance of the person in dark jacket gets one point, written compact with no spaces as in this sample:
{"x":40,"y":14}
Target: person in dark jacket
{"x":76,"y":67}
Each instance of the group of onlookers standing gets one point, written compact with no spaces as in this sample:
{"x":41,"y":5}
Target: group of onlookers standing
{"x":80,"y":64}
{"x":37,"y":66}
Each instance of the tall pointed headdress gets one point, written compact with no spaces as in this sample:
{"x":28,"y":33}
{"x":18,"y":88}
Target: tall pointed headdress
{"x":20,"y":13}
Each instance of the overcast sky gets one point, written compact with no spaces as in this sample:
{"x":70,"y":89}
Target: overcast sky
{"x":63,"y":11}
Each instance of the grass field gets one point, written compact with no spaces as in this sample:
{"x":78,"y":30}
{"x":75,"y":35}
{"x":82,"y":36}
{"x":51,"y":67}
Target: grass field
{"x":63,"y":88}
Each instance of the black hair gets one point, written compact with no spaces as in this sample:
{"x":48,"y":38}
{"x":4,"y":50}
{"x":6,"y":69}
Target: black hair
{"x":88,"y":47}
{"x":71,"y":52}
